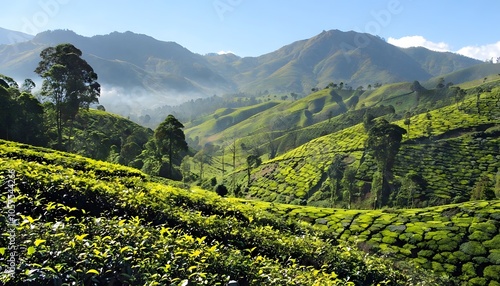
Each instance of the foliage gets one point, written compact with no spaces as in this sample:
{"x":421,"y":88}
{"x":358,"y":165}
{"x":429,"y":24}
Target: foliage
{"x":21,"y":114}
{"x":170,"y":140}
{"x":69,"y":82}
{"x":221,"y":190}
{"x":463,"y":148}
{"x":93,"y":222}
{"x":384,"y":140}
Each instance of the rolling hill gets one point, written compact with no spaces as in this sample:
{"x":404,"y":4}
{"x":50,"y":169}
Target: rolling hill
{"x":147,"y":73}
{"x":89,"y":221}
{"x":451,"y":148}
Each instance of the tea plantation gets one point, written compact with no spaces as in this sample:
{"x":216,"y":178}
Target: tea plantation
{"x":69,"y":220}
{"x":451,"y":148}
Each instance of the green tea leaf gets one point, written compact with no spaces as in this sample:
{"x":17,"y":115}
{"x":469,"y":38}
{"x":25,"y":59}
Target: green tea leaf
{"x":93,"y":271}
{"x":39,"y":241}
{"x":31,"y":250}
{"x":80,"y":237}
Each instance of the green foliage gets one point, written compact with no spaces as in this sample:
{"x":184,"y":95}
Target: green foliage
{"x":21,"y":114}
{"x":69,"y":82}
{"x":87,"y":221}
{"x":483,"y":189}
{"x":171,"y":141}
{"x":221,"y":190}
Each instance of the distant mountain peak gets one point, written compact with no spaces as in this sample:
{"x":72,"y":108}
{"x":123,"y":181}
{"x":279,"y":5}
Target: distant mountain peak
{"x":9,"y":37}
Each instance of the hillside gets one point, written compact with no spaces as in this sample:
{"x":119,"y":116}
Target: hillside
{"x":138,"y":72}
{"x":87,"y":221}
{"x":9,"y":37}
{"x":108,"y":137}
{"x":480,"y":73}
{"x":336,"y":56}
{"x":455,"y":145}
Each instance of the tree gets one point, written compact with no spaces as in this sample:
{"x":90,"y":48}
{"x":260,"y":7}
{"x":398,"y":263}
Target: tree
{"x":253,"y":161}
{"x":170,"y":140}
{"x":335,"y":173}
{"x":204,"y":157}
{"x":407,"y":122}
{"x":7,"y":116}
{"x":349,"y":185}
{"x":185,"y":169}
{"x":69,"y":82}
{"x":276,"y":127}
{"x":384,"y":140}
{"x":28,"y":85}
{"x":483,"y":189}
{"x":221,"y":190}
{"x":458,"y":94}
{"x":29,"y":123}
{"x":408,"y":191}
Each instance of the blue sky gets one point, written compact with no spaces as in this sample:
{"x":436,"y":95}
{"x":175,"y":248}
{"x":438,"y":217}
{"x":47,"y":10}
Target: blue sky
{"x":255,"y":27}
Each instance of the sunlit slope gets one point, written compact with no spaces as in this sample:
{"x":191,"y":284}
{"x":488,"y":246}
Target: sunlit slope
{"x":86,"y":221}
{"x":452,"y":147}
{"x":270,"y":116}
{"x":462,"y":240}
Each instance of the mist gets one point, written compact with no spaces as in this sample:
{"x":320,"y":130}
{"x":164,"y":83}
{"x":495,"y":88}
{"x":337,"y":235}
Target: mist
{"x":137,"y":102}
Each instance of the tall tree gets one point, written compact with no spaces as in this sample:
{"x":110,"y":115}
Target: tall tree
{"x":253,"y":161}
{"x":69,"y":82}
{"x":349,"y":185}
{"x":335,"y":173}
{"x":170,"y":140}
{"x":384,"y":140}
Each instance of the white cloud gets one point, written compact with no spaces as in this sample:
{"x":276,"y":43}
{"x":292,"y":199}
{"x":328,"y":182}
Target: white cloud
{"x":419,"y":41}
{"x":224,"y":52}
{"x":484,"y":52}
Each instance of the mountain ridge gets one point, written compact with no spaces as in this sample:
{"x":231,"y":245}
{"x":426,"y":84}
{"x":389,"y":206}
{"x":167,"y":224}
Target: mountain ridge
{"x":169,"y":73}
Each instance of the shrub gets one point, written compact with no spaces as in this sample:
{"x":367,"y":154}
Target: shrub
{"x":221,"y":190}
{"x":492,"y":272}
{"x":473,"y":248}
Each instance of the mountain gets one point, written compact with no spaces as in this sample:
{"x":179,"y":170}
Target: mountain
{"x":438,"y":63}
{"x":9,"y":37}
{"x":138,"y":71}
{"x":336,"y":56}
{"x":124,"y":60}
{"x":482,"y":72}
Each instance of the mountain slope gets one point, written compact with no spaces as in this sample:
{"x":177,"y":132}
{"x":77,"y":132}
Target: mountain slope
{"x":439,"y":63}
{"x":479,"y":72}
{"x":124,"y":60}
{"x":82,"y":220}
{"x":451,"y":148}
{"x":349,"y":57}
{"x":165,"y":73}
{"x":9,"y":37}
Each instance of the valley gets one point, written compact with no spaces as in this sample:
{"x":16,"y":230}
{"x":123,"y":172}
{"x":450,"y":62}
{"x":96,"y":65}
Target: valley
{"x":309,"y":165}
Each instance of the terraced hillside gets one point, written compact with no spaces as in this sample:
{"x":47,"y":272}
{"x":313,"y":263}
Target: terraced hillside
{"x":272,"y":116}
{"x":450,"y":147}
{"x":86,"y":221}
{"x":461,"y":240}
{"x":73,"y":220}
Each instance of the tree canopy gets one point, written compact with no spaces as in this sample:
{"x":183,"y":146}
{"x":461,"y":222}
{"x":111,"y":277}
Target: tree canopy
{"x":170,"y":140}
{"x":384,"y":140}
{"x":69,"y":82}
